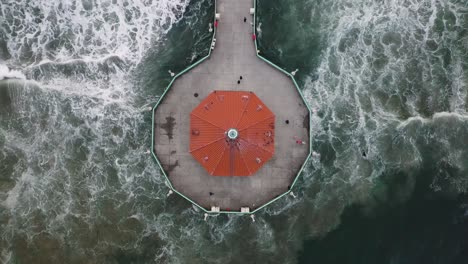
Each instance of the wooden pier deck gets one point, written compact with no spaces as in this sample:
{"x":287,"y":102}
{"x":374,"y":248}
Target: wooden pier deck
{"x":233,"y":56}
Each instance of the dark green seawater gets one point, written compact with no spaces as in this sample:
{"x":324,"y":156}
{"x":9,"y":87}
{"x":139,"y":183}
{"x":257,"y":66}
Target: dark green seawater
{"x":387,"y":81}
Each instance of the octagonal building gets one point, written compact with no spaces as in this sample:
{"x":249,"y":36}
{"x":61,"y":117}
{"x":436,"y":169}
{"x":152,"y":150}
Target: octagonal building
{"x":232,"y":133}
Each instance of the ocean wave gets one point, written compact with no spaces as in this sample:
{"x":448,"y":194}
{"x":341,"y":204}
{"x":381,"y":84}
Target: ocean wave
{"x":6,"y":73}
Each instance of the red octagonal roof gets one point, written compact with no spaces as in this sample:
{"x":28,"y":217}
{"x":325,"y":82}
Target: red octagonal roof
{"x":232,"y":133}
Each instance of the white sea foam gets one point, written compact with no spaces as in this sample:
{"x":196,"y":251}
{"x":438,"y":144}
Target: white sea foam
{"x":441,"y":116}
{"x":384,"y":91}
{"x":64,"y":30}
{"x":6,"y":73}
{"x":68,"y":132}
{"x":85,"y":36}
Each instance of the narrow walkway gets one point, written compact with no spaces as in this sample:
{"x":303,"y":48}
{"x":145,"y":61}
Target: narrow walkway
{"x":233,"y":56}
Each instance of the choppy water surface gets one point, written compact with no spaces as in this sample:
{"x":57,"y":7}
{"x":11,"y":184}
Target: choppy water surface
{"x":388,"y":81}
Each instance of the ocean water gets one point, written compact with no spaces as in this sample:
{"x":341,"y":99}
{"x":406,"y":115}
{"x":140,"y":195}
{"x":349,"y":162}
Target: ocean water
{"x":387,"y":81}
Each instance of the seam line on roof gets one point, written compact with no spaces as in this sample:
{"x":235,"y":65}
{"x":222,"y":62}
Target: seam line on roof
{"x":243,"y":160}
{"x":259,"y":147}
{"x":231,"y":160}
{"x":272,"y":153}
{"x":219,"y":161}
{"x":243,"y":112}
{"x":192,"y":113}
{"x":206,"y":145}
{"x":273,"y":115}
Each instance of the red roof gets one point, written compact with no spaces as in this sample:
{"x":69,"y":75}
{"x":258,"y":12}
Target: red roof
{"x":232,"y":133}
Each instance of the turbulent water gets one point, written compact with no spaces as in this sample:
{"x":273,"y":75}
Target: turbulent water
{"x":387,"y":81}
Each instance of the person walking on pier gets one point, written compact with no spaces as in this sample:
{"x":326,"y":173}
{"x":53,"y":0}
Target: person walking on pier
{"x":245,"y":19}
{"x":299,"y":141}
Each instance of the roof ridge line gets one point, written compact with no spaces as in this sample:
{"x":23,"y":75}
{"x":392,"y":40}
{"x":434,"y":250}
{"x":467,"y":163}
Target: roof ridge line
{"x":243,"y":160}
{"x":220,"y":158}
{"x":257,"y":122}
{"x":192,"y":113}
{"x":206,"y":145}
{"x":272,"y":153}
{"x":243,"y":111}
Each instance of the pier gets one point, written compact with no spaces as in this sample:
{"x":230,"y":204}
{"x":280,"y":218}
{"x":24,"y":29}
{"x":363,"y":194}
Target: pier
{"x":234,"y":55}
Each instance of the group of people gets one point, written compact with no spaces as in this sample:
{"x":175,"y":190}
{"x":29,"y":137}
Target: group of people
{"x":240,"y":78}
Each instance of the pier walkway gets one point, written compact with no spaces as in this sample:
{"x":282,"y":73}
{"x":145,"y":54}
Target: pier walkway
{"x":233,"y":56}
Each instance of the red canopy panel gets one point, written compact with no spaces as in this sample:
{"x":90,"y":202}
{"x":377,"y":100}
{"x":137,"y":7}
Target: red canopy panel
{"x":232,"y":133}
